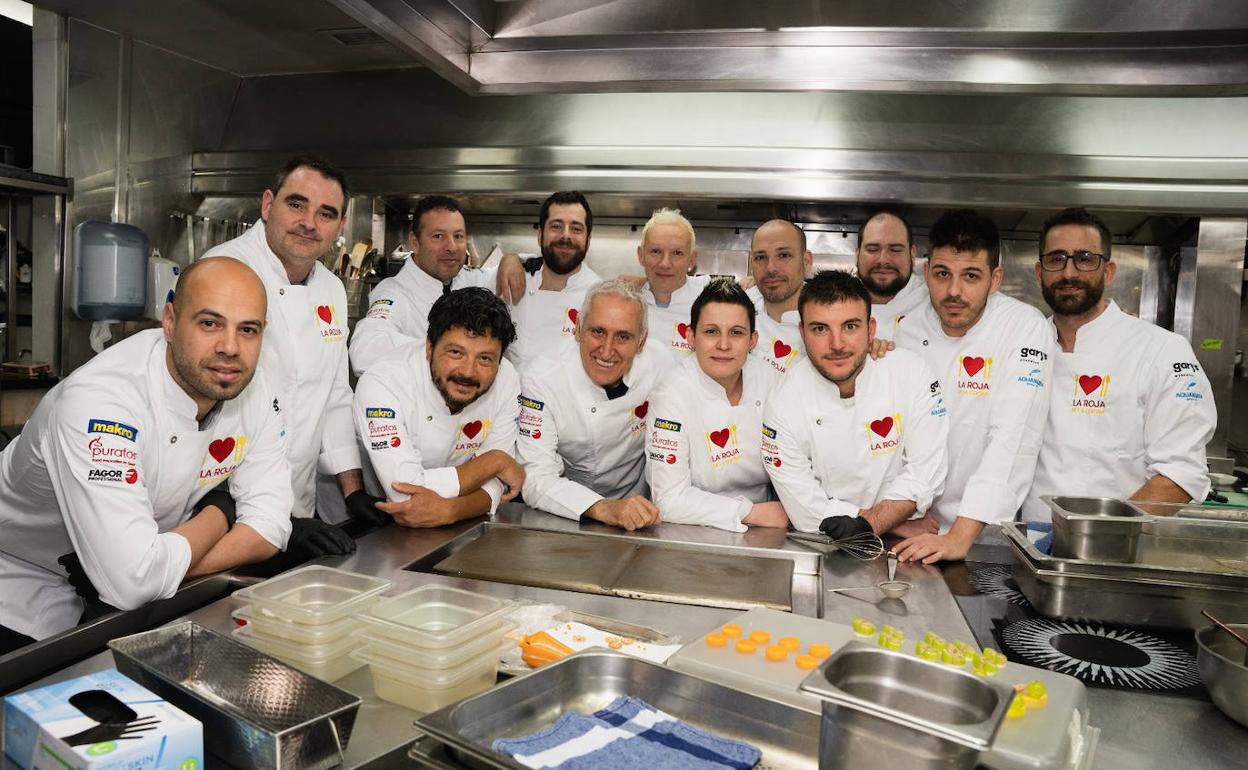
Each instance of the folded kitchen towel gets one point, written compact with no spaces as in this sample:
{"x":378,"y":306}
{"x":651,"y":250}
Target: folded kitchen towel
{"x":628,"y":734}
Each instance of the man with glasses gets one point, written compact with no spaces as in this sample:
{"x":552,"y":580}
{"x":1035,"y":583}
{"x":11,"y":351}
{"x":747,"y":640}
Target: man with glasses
{"x":1131,"y":410}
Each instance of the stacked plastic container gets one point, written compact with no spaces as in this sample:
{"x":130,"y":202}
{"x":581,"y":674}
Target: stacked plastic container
{"x":306,"y":617}
{"x":433,"y":645}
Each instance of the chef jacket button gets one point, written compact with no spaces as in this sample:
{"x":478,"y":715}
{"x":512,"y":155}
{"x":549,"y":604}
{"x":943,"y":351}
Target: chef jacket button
{"x":818,"y":422}
{"x":758,"y":403}
{"x":593,"y":409}
{"x":173,"y":439}
{"x":428,"y":418}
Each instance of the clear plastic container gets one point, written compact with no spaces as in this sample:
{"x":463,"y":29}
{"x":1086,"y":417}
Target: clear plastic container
{"x":314,"y":594}
{"x":426,"y":691}
{"x":487,"y":642}
{"x":434,"y":616}
{"x":264,"y":622}
{"x":329,"y":662}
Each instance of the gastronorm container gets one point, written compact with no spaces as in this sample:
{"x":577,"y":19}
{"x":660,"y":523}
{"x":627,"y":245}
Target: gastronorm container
{"x":434,"y":616}
{"x":425,"y":689}
{"x":329,"y":661}
{"x":314,"y":594}
{"x":264,"y":622}
{"x":257,"y":712}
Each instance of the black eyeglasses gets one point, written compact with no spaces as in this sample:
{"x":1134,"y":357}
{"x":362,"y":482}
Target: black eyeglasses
{"x":1085,"y":261}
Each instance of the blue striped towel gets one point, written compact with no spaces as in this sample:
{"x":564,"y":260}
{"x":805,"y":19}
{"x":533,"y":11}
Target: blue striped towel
{"x":628,"y":734}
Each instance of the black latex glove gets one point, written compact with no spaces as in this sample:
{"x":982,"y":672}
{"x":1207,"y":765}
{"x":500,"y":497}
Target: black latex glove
{"x":220,"y":497}
{"x":361,"y":506}
{"x":78,"y":577}
{"x":845,"y":527}
{"x":310,"y":538}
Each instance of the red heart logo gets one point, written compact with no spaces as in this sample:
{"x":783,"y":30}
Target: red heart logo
{"x":640,"y":411}
{"x":882,"y":427}
{"x":471,"y":429}
{"x":326,"y":313}
{"x":683,"y":330}
{"x":972,"y":365}
{"x":221,"y":448}
{"x":572,"y":314}
{"x":781,"y":349}
{"x":720,"y":437}
{"x":1089,"y":383}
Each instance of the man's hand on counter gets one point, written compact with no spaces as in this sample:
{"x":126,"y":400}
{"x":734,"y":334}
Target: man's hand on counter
{"x":422,"y":509}
{"x":909,"y":528}
{"x":630,"y":513}
{"x":951,"y":546}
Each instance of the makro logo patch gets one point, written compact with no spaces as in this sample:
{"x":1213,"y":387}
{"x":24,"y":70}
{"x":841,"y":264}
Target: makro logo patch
{"x":113,"y":428}
{"x":769,"y":432}
{"x":379,"y":412}
{"x":380,"y":302}
{"x":530,"y":403}
{"x":671,"y":425}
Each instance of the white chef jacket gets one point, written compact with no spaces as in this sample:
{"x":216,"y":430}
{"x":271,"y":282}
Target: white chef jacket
{"x":995,"y":380}
{"x":704,"y":459}
{"x":112,"y":459}
{"x":779,"y":342}
{"x":833,"y":456}
{"x":398,"y":311}
{"x":304,"y":357}
{"x":409,"y":435}
{"x":578,"y":446}
{"x":1129,"y":403}
{"x":668,"y":323}
{"x":544,"y":319}
{"x":912,"y":298}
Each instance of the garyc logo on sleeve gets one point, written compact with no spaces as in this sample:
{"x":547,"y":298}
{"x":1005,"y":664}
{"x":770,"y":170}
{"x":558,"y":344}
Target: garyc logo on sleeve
{"x":113,"y":428}
{"x":379,"y":413}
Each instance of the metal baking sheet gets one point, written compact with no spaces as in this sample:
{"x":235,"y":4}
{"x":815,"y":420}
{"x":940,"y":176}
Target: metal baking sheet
{"x":615,"y":567}
{"x":589,"y":680}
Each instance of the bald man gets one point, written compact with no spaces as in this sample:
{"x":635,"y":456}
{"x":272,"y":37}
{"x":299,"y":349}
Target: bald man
{"x":116,"y":483}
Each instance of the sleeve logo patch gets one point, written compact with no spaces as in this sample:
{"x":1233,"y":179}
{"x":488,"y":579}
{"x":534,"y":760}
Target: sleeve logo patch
{"x":529,"y":403}
{"x":769,"y":432}
{"x":381,"y":302}
{"x":379,"y":412}
{"x":113,"y":428}
{"x":671,"y":425}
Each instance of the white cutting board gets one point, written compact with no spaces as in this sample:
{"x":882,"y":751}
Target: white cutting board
{"x":777,"y":680}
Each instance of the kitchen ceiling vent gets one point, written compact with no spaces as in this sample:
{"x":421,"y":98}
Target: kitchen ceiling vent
{"x":354,"y":37}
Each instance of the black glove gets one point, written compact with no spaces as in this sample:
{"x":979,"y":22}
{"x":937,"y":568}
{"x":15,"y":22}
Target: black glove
{"x":362,"y":506}
{"x":845,"y":527}
{"x":220,"y":497}
{"x":310,"y":538}
{"x":116,"y":720}
{"x":78,"y":577}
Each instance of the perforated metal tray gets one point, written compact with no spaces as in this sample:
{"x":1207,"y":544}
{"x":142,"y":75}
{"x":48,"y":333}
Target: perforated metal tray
{"x":257,"y":711}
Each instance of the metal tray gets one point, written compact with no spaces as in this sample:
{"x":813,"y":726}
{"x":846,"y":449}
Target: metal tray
{"x":1140,"y":594}
{"x":588,"y":680}
{"x":257,"y":712}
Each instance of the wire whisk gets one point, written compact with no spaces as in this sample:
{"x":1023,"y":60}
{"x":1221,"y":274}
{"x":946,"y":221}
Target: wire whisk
{"x":864,"y":546}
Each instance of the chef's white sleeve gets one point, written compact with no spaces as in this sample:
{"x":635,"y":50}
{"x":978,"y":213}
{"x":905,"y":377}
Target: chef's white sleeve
{"x":387,"y":425}
{"x":260,"y":485}
{"x":1179,"y":418}
{"x":105,"y":505}
{"x":545,"y":487}
{"x":925,"y":451}
{"x":1017,"y":417}
{"x":380,"y":333}
{"x":787,"y":455}
{"x":670,"y":476}
{"x":339,"y":452}
{"x":503,"y":429}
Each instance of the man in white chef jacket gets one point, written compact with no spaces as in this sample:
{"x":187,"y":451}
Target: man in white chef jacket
{"x":668,"y":253}
{"x":1131,"y":409}
{"x":993,"y":355}
{"x":557,"y":282}
{"x":110,"y":472}
{"x":438,"y":422}
{"x":853,"y":445}
{"x":398,"y":308}
{"x":704,"y":459}
{"x":779,"y":263}
{"x":583,"y":414}
{"x":885,"y":263}
{"x":305,"y":351}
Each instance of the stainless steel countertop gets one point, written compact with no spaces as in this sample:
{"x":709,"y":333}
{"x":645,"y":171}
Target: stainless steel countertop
{"x":1138,"y":730}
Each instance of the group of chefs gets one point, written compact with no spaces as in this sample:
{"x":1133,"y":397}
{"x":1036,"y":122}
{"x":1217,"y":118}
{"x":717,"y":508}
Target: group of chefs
{"x":917,"y":401}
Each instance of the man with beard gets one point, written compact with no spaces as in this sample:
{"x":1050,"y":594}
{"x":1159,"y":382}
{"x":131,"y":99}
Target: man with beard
{"x":439,"y":422}
{"x":305,"y":352}
{"x":993,"y":356}
{"x":853,"y":445}
{"x":779,"y":262}
{"x":1131,"y":410}
{"x":885,"y":262}
{"x":399,"y":307}
{"x":114,"y":478}
{"x":557,"y":282}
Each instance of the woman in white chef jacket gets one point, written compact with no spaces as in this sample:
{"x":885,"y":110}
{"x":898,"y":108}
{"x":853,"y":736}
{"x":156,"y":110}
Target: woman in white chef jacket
{"x":704,"y":456}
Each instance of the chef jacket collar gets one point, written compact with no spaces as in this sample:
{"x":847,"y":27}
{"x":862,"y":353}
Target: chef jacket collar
{"x":686,"y":291}
{"x":749,"y":379}
{"x":1097,"y":326}
{"x":583,"y":278}
{"x":271,"y":262}
{"x":421,"y":283}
